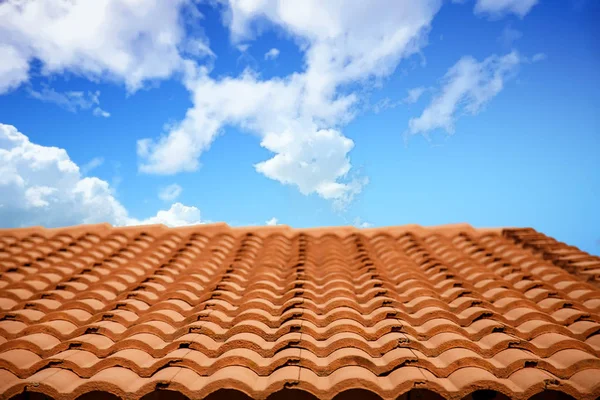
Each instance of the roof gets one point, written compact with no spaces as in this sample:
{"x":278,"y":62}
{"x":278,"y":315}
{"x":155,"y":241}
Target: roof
{"x":451,"y":311}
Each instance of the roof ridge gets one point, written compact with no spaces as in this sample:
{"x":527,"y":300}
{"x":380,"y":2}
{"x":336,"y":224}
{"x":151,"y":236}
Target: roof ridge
{"x":267,"y":228}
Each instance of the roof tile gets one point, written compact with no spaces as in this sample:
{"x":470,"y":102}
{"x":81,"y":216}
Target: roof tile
{"x":449,"y":309}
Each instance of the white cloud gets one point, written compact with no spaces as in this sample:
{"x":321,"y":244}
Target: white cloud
{"x":272,"y":54}
{"x":125,"y":40}
{"x":466,"y":87}
{"x":539,"y":57}
{"x":41,"y":185}
{"x":509,"y":36}
{"x":197,"y":47}
{"x":91,"y":165}
{"x":71,"y":101}
{"x":498,"y":8}
{"x":359,"y":223}
{"x":385,"y":104}
{"x":117,"y":178}
{"x":414,"y":95}
{"x":177,"y":215}
{"x":299,"y":117}
{"x":272,"y":221}
{"x":170,"y":193}
{"x":14,"y":68}
{"x":98,"y":112}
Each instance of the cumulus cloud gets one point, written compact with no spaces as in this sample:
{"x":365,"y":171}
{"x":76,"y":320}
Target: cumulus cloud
{"x":72,"y":101}
{"x":41,"y":185}
{"x":123,"y":40}
{"x":465,"y":89}
{"x":272,"y":54}
{"x":177,"y":215}
{"x":499,"y":8}
{"x":170,"y":193}
{"x":272,"y":221}
{"x":299,"y":117}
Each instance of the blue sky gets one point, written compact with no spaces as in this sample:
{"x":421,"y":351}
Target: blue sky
{"x":302,"y":113}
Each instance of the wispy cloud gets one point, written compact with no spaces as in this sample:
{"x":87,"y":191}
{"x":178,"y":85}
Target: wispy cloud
{"x":91,"y":165}
{"x":71,"y":101}
{"x":117,"y":177}
{"x":246,"y":59}
{"x":509,"y":35}
{"x":98,"y":112}
{"x":359,"y":223}
{"x":414,"y":95}
{"x":385,"y":104}
{"x":499,"y":8}
{"x":272,"y":221}
{"x":272,"y":54}
{"x":198,"y":48}
{"x":465,"y":89}
{"x":170,"y":193}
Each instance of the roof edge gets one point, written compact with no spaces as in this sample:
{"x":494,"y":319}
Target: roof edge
{"x":446,"y":229}
{"x":570,"y":258}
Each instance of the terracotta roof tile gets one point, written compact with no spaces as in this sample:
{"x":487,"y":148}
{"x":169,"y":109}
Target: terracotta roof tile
{"x":451,"y":310}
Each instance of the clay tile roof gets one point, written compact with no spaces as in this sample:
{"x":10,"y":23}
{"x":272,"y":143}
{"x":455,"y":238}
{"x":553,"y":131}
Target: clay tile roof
{"x":403,"y":312}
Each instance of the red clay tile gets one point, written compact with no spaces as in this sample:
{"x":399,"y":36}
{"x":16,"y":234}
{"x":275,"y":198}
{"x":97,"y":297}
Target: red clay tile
{"x":451,"y":309}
